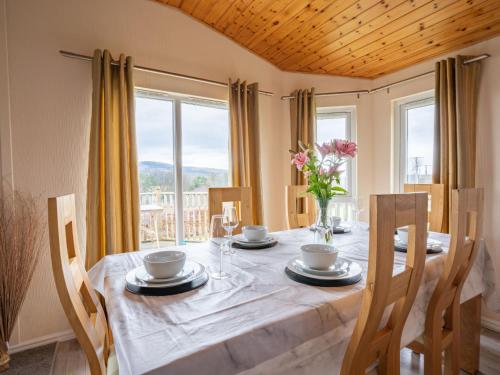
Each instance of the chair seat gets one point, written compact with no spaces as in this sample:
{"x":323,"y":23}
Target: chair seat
{"x":112,"y":366}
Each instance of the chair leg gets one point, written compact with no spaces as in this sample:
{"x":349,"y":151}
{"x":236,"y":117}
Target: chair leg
{"x":390,"y":363}
{"x":452,"y":358}
{"x":470,"y":334}
{"x":382,"y":367}
{"x":432,"y":358}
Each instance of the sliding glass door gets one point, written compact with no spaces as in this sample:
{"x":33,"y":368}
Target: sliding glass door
{"x":183,"y":149}
{"x":205,"y":160}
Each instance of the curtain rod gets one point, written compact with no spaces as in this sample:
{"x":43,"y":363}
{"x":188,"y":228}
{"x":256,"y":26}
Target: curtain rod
{"x":161,"y":72}
{"x":358,"y":92}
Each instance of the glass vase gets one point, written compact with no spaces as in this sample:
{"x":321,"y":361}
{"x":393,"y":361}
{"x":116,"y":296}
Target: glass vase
{"x":323,"y":230}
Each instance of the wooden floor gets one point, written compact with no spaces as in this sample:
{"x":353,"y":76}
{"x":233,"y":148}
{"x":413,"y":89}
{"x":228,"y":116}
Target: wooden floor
{"x":70,"y":360}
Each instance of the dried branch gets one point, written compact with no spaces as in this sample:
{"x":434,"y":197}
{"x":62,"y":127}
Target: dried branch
{"x":22,"y":231}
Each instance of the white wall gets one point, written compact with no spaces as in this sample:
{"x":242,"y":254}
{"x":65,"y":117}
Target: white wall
{"x":48,"y":103}
{"x":45,"y":100}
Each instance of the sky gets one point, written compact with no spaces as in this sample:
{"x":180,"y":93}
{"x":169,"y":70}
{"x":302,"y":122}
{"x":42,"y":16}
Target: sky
{"x":330,"y":128}
{"x":205,"y":133}
{"x":420,"y":135}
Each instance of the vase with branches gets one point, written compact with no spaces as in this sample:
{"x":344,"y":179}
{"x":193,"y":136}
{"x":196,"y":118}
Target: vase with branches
{"x":22,"y":230}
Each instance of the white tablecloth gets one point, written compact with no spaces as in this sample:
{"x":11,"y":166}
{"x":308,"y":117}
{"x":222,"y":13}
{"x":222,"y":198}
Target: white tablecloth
{"x":258,"y":321}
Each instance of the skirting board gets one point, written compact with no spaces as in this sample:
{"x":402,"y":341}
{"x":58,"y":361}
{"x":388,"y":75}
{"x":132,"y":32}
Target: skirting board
{"x":491,"y":324}
{"x":43,"y":340}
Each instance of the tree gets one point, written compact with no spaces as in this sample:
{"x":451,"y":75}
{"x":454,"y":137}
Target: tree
{"x":198,"y":181}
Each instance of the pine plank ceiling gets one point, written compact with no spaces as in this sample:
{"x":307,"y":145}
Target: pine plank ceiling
{"x":355,"y":38}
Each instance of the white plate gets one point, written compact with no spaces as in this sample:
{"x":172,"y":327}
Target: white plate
{"x":334,"y":270}
{"x":143,"y":275}
{"x":241,"y":239}
{"x":197,"y":270}
{"x":350,"y":269}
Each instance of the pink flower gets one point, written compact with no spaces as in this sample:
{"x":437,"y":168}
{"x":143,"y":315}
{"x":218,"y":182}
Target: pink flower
{"x":333,"y":170}
{"x":300,"y":159}
{"x":325,"y":149}
{"x":344,"y":148}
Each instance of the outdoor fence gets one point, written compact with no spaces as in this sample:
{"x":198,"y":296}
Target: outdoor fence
{"x":158,"y":215}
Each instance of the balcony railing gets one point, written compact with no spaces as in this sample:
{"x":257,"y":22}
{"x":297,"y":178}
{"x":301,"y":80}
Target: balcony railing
{"x":158,"y":216}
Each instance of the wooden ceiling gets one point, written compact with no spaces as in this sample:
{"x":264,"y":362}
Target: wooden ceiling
{"x":356,"y":38}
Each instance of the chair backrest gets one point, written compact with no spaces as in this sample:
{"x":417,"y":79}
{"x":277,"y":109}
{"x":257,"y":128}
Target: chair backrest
{"x":300,"y":213}
{"x":369,"y":341}
{"x":436,"y":194}
{"x":241,"y":197}
{"x":466,"y":226}
{"x":79,"y":300}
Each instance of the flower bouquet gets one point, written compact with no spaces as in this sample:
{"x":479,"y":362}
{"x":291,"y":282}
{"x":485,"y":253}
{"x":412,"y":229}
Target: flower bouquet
{"x":322,"y":168}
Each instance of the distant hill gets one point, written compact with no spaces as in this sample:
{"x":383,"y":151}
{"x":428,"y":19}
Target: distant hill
{"x":153,"y":174}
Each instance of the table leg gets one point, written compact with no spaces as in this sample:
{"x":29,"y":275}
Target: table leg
{"x":470,"y":313}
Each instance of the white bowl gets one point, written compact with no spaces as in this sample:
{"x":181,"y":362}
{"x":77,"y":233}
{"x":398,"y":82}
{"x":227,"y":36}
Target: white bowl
{"x":403,"y":235}
{"x":336,"y":220}
{"x":254,"y":232}
{"x":164,"y":264}
{"x":319,"y":256}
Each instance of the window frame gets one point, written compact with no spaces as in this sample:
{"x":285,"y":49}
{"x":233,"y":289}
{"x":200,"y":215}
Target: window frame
{"x":401,"y":107}
{"x":332,"y":112}
{"x":177,"y":100}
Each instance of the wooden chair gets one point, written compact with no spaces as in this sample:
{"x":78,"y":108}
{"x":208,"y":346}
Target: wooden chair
{"x":79,"y":300}
{"x":442,"y":324}
{"x":436,"y":193}
{"x":370,"y":342}
{"x":297,"y":216}
{"x":240,"y":196}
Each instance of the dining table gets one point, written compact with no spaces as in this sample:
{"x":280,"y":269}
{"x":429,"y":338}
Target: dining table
{"x":258,"y":321}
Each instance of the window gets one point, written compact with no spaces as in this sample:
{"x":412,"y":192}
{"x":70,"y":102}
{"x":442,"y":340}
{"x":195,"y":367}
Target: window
{"x":336,"y":123}
{"x":183,"y":149}
{"x":414,"y":120}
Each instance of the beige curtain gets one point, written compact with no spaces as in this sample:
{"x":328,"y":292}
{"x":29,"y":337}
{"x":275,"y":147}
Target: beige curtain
{"x":457,"y":87}
{"x":112,"y":182}
{"x":303,"y":120}
{"x":245,"y":150}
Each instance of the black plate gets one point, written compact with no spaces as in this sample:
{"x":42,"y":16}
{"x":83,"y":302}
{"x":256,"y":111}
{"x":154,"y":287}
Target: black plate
{"x":317,"y":282}
{"x":340,"y":230}
{"x":168,"y":290}
{"x":430,"y":250}
{"x":337,"y":230}
{"x":238,"y":245}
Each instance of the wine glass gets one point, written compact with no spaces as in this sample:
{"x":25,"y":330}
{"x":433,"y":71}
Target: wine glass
{"x":230,"y":221}
{"x":357,"y":209}
{"x":217,"y":230}
{"x":217,"y":238}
